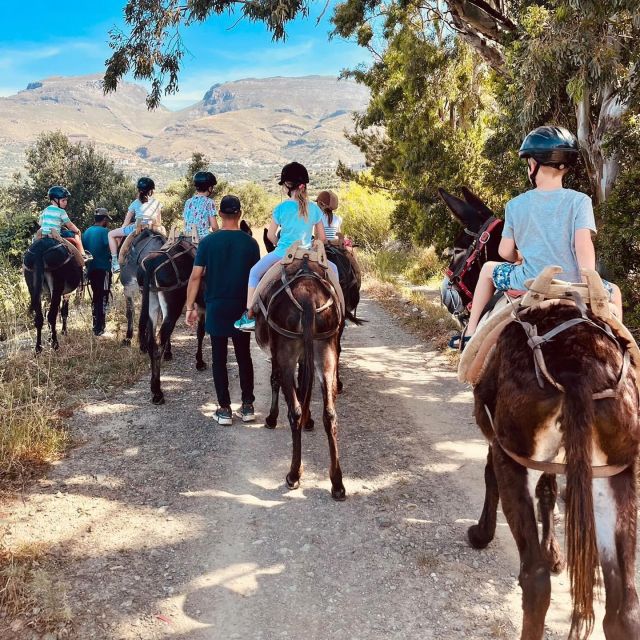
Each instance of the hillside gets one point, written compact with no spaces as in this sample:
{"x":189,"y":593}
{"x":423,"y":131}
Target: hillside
{"x":248,"y":127}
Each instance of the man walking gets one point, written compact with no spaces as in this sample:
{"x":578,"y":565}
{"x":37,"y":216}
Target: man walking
{"x":224,"y":260}
{"x":96,"y":240}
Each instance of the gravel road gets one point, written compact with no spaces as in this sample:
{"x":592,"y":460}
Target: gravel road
{"x":166,"y":525}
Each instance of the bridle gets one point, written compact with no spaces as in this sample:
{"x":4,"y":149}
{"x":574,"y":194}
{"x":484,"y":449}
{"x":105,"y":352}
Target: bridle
{"x":287,"y":281}
{"x":475,"y":250}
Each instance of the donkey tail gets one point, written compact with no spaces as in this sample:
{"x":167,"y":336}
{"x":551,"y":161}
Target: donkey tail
{"x":308,"y":364}
{"x":581,"y":544}
{"x":143,"y":324}
{"x":351,"y":316}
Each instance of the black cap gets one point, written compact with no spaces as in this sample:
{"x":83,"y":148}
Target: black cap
{"x":294,"y":172}
{"x":230,"y":205}
{"x":101,"y":214}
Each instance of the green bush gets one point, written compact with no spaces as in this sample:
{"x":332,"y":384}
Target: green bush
{"x":366,"y":215}
{"x":426,"y":266}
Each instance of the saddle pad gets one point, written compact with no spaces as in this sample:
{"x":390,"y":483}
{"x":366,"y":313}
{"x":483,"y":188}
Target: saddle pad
{"x":315,"y":254}
{"x":274,"y":274}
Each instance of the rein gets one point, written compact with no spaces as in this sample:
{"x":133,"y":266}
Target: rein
{"x":535,"y":342}
{"x":303,"y":272}
{"x":481,"y":238}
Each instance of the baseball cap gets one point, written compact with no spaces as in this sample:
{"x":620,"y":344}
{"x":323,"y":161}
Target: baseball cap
{"x":101,"y":213}
{"x":230,"y":205}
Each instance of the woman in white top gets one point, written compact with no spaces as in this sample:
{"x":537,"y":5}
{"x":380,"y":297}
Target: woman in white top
{"x":328,"y":202}
{"x":144,"y":209}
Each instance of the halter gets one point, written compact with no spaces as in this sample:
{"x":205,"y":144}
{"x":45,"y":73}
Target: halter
{"x":303,"y":272}
{"x":480,"y":240}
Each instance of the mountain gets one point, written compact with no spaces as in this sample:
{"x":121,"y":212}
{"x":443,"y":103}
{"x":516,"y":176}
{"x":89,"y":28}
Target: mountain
{"x":248,"y":128}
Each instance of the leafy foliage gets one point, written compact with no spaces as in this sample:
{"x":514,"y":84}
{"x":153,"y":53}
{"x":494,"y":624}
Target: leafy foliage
{"x":91,"y":177}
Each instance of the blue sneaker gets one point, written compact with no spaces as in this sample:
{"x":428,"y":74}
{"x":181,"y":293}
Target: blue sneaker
{"x":245,"y":323}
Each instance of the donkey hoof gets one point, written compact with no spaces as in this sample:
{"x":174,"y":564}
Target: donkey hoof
{"x":310,"y":426}
{"x":38,"y":348}
{"x":340,"y":386}
{"x":338,"y":494}
{"x":168,"y":356}
{"x":55,"y":345}
{"x":158,"y":398}
{"x":201,"y":366}
{"x":477,"y":538}
{"x":63,"y":332}
{"x":270,"y":423}
{"x":292,"y":484}
{"x":126,"y":342}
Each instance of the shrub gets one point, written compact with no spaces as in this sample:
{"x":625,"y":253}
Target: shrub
{"x":366,"y":215}
{"x":426,"y":266}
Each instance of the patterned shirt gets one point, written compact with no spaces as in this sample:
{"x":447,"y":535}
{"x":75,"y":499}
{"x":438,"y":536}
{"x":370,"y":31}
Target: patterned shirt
{"x":52,"y":219}
{"x":197,"y":211}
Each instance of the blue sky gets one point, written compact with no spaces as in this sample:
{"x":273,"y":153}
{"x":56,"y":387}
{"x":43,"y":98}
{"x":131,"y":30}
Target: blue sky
{"x":68,"y":38}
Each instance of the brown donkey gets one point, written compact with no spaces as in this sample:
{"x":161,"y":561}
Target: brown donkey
{"x":594,"y":416}
{"x":299,"y":326}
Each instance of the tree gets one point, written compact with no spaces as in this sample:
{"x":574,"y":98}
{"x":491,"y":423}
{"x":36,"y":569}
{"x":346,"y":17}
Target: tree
{"x":91,"y":177}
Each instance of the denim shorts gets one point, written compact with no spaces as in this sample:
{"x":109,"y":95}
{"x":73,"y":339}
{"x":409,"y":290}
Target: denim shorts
{"x":502,"y":278}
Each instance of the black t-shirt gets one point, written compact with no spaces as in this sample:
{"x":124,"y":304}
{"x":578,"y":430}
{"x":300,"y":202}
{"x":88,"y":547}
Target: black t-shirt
{"x":227,"y":257}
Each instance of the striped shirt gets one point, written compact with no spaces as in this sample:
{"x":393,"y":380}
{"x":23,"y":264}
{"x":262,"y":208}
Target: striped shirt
{"x":331,"y":230}
{"x":52,"y":219}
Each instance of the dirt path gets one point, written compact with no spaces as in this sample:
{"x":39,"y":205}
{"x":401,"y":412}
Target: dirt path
{"x":168,"y":525}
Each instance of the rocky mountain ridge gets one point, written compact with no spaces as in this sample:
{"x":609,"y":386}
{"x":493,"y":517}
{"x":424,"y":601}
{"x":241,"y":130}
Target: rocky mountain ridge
{"x":248,"y":128}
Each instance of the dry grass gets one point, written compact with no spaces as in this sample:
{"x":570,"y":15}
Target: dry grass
{"x":420,"y":314}
{"x":30,"y":595}
{"x":38,"y":393}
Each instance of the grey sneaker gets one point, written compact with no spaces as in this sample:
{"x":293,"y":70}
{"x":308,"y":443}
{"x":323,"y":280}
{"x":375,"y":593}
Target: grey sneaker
{"x":115,"y":265}
{"x":247,"y":413}
{"x":223,"y":416}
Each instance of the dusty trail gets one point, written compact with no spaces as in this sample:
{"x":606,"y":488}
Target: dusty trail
{"x":169,"y":525}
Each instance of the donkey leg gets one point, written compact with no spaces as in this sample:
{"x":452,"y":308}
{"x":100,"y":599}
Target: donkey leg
{"x":168,"y":351}
{"x":307,"y":421}
{"x":295,"y":415}
{"x":339,"y":381}
{"x":481,"y":534}
{"x":329,"y":392}
{"x":38,"y":319}
{"x":517,"y":505}
{"x":64,"y":313}
{"x":271,"y":420}
{"x":52,"y":315}
{"x":129,"y":313}
{"x":615,"y":510}
{"x":201,"y":365}
{"x":547,"y":493}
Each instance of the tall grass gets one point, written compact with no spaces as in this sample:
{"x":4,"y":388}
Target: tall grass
{"x":417,"y":266}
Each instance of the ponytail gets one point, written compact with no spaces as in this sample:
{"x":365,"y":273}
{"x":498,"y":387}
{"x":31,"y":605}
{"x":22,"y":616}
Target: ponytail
{"x":301,"y":196}
{"x":329,"y":213}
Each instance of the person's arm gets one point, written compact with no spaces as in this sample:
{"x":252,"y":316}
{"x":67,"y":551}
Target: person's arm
{"x":507,"y":249}
{"x":192,"y":293}
{"x":272,"y":231}
{"x":213,"y":222}
{"x":128,"y":218}
{"x":157,"y":216}
{"x":585,"y":251}
{"x":318,"y":232}
{"x":72,"y":227}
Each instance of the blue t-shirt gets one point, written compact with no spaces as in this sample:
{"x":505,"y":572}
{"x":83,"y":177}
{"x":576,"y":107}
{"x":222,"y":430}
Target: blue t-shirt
{"x":543,"y":225}
{"x":293,"y":227}
{"x":96,"y":241}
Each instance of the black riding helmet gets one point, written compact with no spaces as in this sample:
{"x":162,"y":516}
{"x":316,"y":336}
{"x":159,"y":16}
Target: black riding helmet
{"x":204,"y":180}
{"x":550,"y":147}
{"x":58,"y":192}
{"x":294,"y":173}
{"x":145,"y":185}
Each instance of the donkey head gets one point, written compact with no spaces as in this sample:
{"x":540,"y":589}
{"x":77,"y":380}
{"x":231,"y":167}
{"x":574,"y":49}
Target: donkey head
{"x":478,"y":233}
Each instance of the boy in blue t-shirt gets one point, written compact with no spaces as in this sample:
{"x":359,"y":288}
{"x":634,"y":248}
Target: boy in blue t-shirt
{"x":547,"y":225}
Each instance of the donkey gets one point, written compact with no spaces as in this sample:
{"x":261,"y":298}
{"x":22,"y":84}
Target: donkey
{"x":163,"y":276}
{"x":48,"y":265}
{"x":590,"y":410}
{"x":304,"y":319}
{"x":141,"y":246}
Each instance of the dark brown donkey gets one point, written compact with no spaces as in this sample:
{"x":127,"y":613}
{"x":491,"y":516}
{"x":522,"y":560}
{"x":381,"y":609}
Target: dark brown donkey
{"x":299,"y":323}
{"x":588,"y":405}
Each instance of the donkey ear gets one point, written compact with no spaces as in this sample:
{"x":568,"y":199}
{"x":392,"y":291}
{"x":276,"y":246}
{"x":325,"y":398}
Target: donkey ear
{"x":476,"y":203}
{"x":466,"y":215}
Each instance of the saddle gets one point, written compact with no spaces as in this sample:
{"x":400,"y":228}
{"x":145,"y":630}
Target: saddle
{"x":171,"y":252}
{"x":129,"y":240}
{"x":543,"y":292}
{"x":175,"y":235}
{"x":73,"y":251}
{"x":296,"y":252}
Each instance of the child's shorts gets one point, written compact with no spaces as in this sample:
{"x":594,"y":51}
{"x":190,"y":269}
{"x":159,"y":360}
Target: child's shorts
{"x":502,"y":278}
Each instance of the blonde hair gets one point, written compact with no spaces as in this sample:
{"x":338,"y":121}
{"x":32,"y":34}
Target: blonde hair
{"x":302,"y":197}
